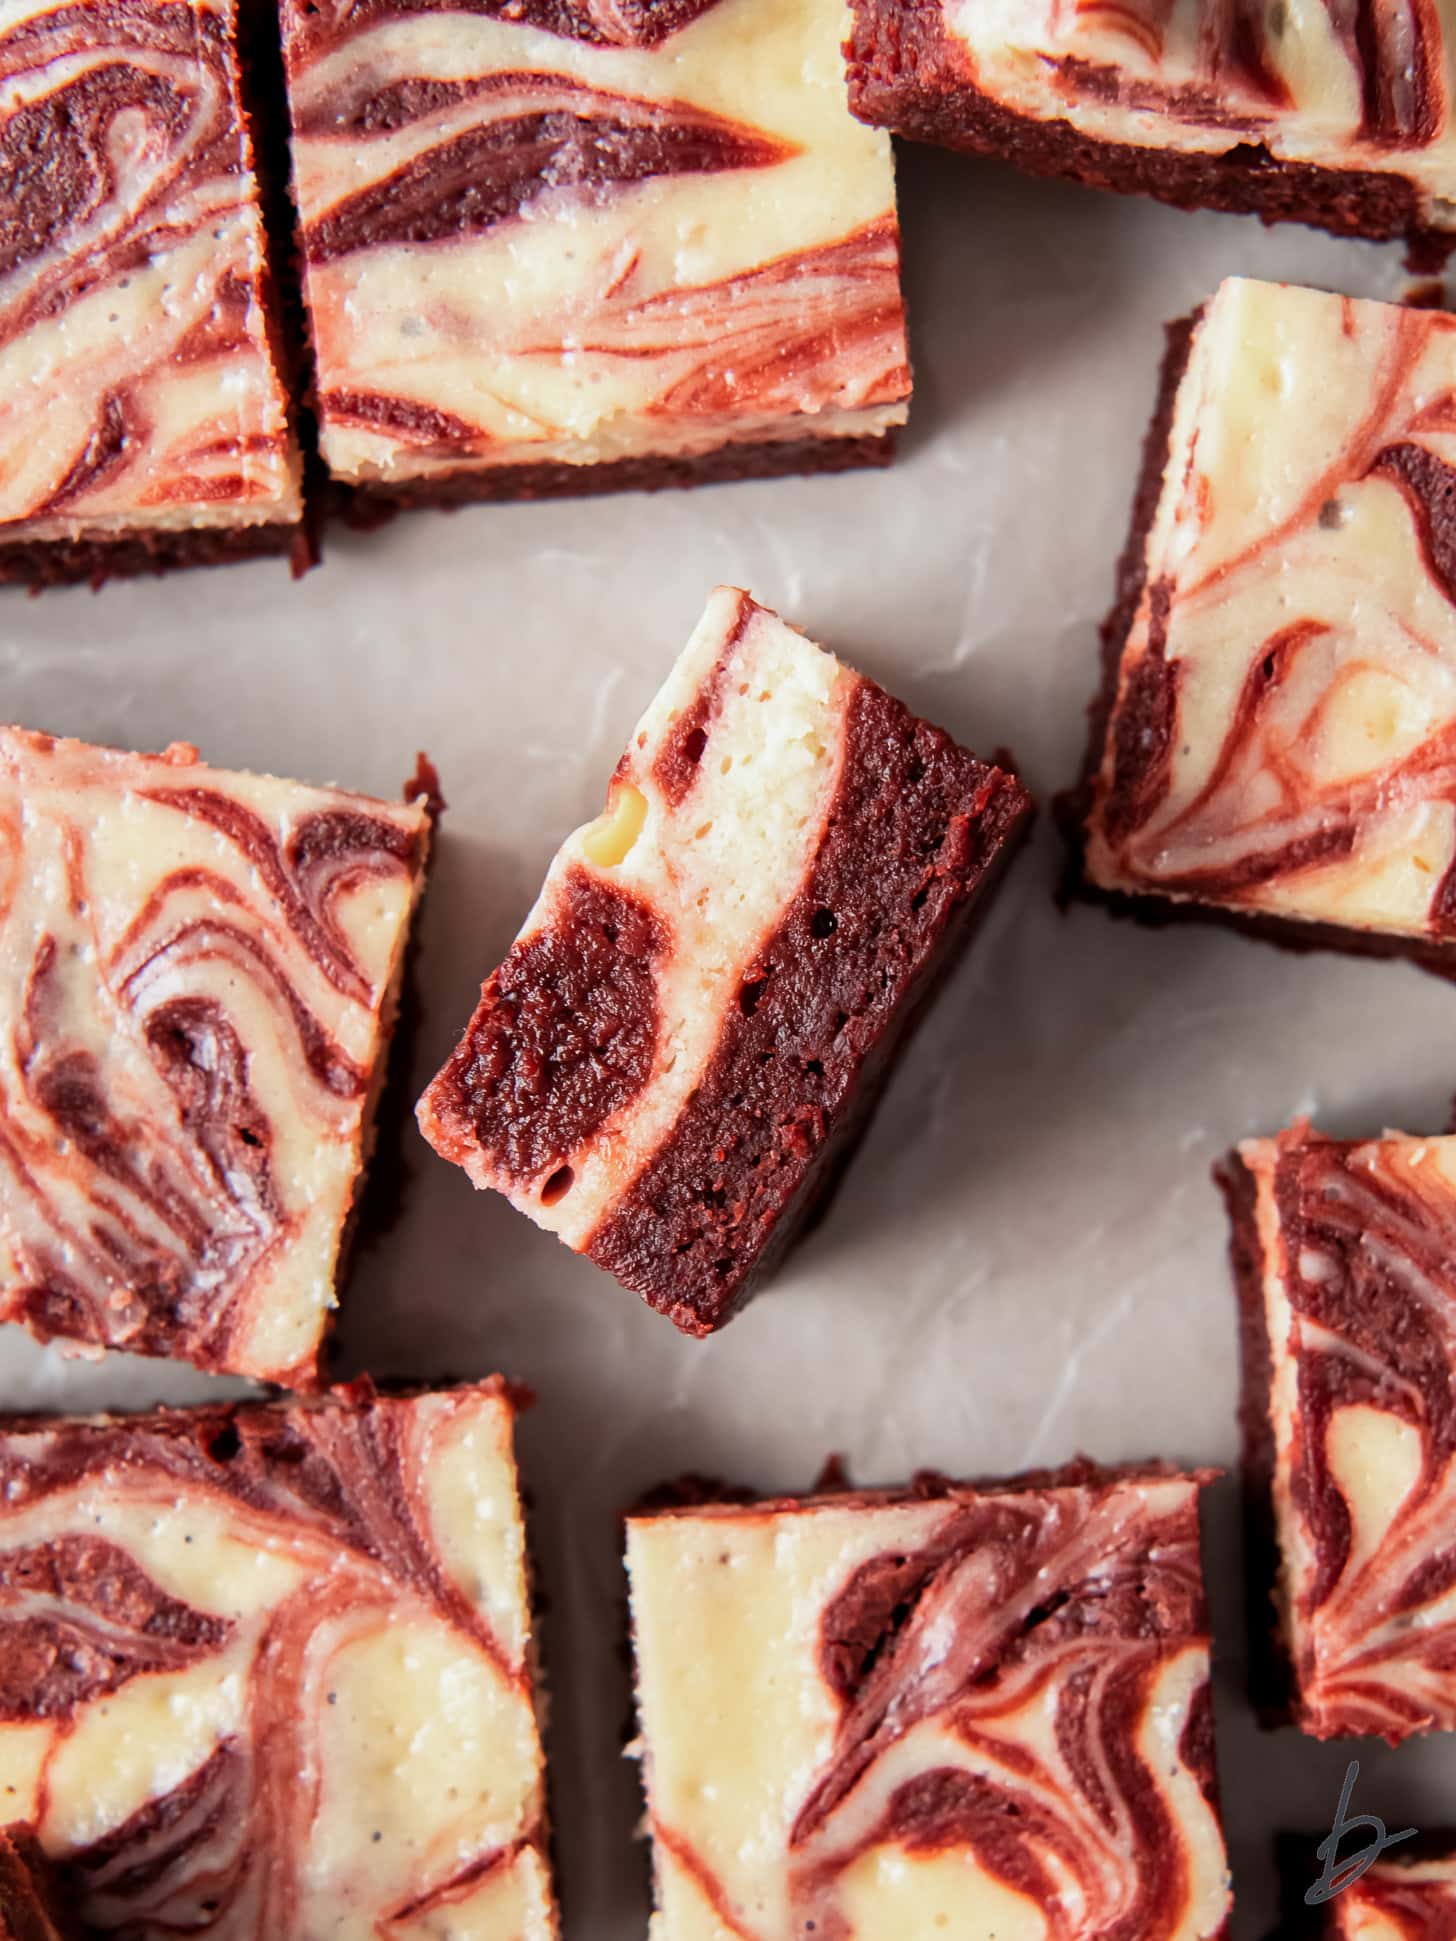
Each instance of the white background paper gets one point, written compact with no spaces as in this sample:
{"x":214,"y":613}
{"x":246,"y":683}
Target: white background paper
{"x":1027,"y":1259}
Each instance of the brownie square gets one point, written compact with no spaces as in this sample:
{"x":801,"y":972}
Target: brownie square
{"x":144,"y":420}
{"x":1345,"y":1265}
{"x":703,"y":1004}
{"x":1282,"y":663}
{"x":969,"y":1709}
{"x":198,"y":978}
{"x":562,"y":246}
{"x":1294,"y":114}
{"x":30,"y":1906}
{"x":267,"y":1672}
{"x":1408,"y":1894}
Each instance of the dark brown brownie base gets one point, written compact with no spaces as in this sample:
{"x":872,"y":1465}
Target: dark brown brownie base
{"x":690,"y":1494}
{"x":1072,"y":806}
{"x":770,"y":458}
{"x":1271,"y":1674}
{"x":906,"y":74}
{"x":30,"y":1904}
{"x":39,"y":563}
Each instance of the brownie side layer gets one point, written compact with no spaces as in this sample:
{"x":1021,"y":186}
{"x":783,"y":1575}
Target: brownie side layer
{"x":915,"y":832}
{"x":1271,"y":1674}
{"x":39,"y":563}
{"x":908,"y":75}
{"x":1074,"y":805}
{"x":30,"y":1905}
{"x":768,"y":458}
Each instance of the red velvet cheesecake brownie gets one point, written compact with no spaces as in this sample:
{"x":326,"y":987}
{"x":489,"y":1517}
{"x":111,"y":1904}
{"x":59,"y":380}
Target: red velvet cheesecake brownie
{"x":1316,"y":114}
{"x":1282,"y":663}
{"x":1345,"y":1263}
{"x":702,"y":1005}
{"x":30,"y":1907}
{"x":143,"y":420}
{"x":198,"y":974}
{"x":567,"y":245}
{"x":972,"y":1710}
{"x":266,"y":1673}
{"x":1407,"y":1895}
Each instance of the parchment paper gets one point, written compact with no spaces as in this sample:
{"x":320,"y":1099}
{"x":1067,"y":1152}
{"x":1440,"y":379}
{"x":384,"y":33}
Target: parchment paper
{"x":1028,"y":1257}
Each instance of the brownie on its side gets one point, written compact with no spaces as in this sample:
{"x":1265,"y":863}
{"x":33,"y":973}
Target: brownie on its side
{"x":564,"y":246}
{"x":702,"y":1005}
{"x":198,"y":978}
{"x":267,"y":1672}
{"x":30,"y":1907}
{"x":972,"y":1709}
{"x":1311,"y":114}
{"x":143,"y":419}
{"x":1345,"y":1265}
{"x":1282,"y":662}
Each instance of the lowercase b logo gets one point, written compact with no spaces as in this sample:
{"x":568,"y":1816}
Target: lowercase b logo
{"x":1335,"y":1879}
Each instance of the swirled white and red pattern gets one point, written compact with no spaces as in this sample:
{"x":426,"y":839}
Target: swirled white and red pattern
{"x":266,"y":1674}
{"x":570,"y":233}
{"x":1398,"y":1900}
{"x":1124,"y":92}
{"x":138,"y":387}
{"x":1284,"y":726}
{"x":971,"y":1711}
{"x":198,"y":973}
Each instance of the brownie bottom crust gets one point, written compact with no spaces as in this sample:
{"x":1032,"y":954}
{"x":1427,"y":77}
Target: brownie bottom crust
{"x":903,"y":75}
{"x":648,"y":472}
{"x":41,"y":563}
{"x":1271,"y":1674}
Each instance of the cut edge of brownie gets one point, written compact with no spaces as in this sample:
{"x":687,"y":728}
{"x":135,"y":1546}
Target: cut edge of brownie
{"x":1072,"y":806}
{"x":901,"y":63}
{"x":692,"y":1494}
{"x":1272,"y":1686}
{"x":779,"y":1182}
{"x":363,"y":505}
{"x":388,"y":1106}
{"x":40,"y":564}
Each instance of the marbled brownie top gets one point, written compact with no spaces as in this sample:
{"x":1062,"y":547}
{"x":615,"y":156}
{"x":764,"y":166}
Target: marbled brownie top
{"x":1314,"y":82}
{"x":586,"y":231}
{"x":1284,"y":733}
{"x":264,"y":1675}
{"x":981,"y":1712}
{"x":138,"y":388}
{"x":197,"y":971}
{"x":1359,"y":1264}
